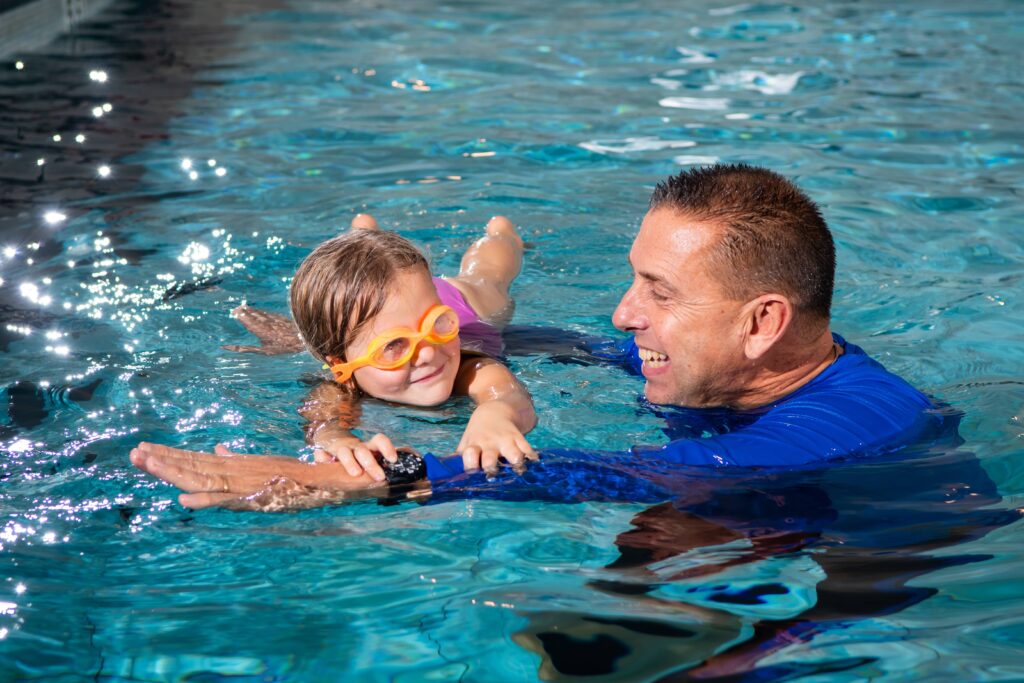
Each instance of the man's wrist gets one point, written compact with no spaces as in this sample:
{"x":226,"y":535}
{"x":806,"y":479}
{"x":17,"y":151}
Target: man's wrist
{"x":409,"y":468}
{"x":406,"y":478}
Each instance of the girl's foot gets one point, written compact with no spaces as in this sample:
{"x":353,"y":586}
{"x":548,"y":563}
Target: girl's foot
{"x":499,"y":226}
{"x":364,"y":221}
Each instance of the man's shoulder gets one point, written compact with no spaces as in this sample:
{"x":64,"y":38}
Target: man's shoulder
{"x":855,"y":407}
{"x":855,"y":377}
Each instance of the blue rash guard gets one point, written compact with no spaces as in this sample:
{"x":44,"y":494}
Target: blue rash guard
{"x":855,"y":407}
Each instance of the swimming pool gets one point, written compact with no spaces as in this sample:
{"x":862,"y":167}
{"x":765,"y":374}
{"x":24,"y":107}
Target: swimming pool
{"x":901,"y":121}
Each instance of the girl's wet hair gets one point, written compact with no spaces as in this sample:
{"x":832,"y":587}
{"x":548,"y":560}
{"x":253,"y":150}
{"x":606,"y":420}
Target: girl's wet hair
{"x":344,"y":283}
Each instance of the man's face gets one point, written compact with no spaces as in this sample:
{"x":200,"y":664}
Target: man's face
{"x":689,"y":332}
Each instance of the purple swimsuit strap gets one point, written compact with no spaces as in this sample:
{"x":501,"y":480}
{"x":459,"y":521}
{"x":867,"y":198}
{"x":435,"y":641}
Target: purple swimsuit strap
{"x":476,"y":335}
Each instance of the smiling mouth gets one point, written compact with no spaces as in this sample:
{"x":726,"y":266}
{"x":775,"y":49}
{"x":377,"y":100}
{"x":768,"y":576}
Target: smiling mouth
{"x":432,"y":375}
{"x":652,"y":358}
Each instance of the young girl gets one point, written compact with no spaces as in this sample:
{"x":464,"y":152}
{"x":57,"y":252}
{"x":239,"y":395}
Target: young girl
{"x":366,"y":305}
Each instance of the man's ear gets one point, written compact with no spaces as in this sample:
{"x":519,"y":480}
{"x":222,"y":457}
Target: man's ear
{"x":766,"y":320}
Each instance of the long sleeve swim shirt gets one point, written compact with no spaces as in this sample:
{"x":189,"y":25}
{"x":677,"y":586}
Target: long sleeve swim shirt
{"x":854,"y":408}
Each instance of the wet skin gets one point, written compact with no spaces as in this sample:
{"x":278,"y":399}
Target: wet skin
{"x":687,"y":329}
{"x":428,"y":379}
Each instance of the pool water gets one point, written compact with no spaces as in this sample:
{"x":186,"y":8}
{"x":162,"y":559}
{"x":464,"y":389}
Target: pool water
{"x":240,"y":134}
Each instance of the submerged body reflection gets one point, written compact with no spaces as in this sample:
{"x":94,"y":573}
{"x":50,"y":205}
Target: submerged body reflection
{"x":870,"y":528}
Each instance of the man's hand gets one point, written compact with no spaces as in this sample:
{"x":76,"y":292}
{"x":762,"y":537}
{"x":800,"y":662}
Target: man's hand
{"x":248,"y":482}
{"x":492,"y":434}
{"x":356,"y":456}
{"x":277,"y":333}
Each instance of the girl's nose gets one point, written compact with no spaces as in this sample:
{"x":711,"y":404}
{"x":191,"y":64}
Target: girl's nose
{"x":424,"y":354}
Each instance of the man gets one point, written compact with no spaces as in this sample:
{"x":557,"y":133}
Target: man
{"x":729,"y":309}
{"x":730,"y":306}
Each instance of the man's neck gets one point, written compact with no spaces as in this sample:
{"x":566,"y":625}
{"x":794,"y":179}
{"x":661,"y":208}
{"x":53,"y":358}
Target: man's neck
{"x":787,"y":368}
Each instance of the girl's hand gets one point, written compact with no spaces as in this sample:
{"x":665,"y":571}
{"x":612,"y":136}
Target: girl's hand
{"x":356,"y":456}
{"x":491,"y":435}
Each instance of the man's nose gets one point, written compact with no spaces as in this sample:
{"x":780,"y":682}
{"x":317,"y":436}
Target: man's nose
{"x":628,"y":316}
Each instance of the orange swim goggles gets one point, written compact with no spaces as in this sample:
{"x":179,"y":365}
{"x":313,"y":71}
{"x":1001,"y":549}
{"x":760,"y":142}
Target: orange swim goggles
{"x":392,"y":349}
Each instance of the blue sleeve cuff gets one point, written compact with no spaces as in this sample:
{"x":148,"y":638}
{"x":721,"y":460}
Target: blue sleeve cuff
{"x":439,"y":469}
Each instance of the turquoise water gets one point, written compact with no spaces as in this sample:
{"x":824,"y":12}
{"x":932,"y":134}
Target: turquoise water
{"x":902,"y":121}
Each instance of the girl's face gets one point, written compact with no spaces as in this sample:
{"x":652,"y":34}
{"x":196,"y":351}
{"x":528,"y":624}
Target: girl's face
{"x":428,"y":378}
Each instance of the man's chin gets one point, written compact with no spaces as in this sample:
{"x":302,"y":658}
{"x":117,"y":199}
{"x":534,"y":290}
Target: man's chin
{"x":665,"y":396}
{"x":656,"y":396}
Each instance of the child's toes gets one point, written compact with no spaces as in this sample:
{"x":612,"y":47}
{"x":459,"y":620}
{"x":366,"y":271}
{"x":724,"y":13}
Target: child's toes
{"x":364,"y":221}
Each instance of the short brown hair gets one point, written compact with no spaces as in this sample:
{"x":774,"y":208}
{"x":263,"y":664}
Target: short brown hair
{"x":774,"y":238}
{"x":344,"y":283}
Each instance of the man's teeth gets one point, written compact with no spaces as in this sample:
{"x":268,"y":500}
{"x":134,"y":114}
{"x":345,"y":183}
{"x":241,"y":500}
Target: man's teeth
{"x":651,"y":356}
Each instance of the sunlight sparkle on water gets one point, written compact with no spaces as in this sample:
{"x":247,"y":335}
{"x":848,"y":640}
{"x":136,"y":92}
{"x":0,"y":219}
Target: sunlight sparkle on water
{"x":103,"y":171}
{"x":194,"y":252}
{"x":20,"y":446}
{"x":98,"y":75}
{"x":186,"y":164}
{"x":29,"y":291}
{"x":79,"y":138}
{"x":54,"y":217}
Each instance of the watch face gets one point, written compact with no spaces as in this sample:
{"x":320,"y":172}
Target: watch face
{"x":409,"y":468}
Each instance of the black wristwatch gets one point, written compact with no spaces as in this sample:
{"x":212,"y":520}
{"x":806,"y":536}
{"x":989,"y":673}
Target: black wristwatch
{"x":409,"y":468}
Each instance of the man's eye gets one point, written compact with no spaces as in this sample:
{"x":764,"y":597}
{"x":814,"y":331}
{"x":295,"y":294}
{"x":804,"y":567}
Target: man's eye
{"x":658,"y":296}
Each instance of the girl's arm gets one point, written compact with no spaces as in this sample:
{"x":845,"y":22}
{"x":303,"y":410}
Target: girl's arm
{"x":504,"y":414}
{"x":332,"y":411}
